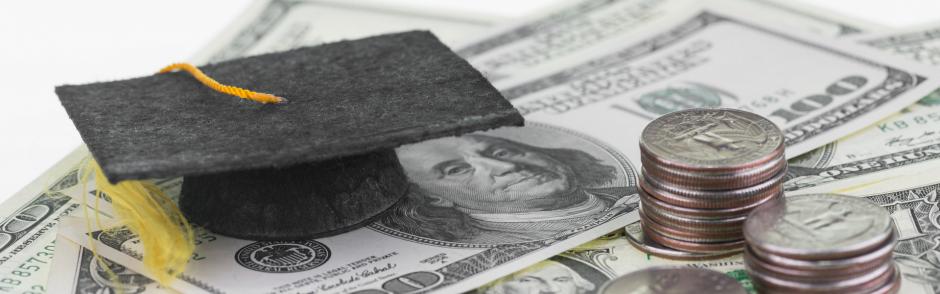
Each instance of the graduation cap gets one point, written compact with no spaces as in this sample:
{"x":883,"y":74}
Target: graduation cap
{"x":320,"y":164}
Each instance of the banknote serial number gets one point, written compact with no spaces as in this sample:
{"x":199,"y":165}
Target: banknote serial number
{"x":910,"y":121}
{"x":13,"y":281}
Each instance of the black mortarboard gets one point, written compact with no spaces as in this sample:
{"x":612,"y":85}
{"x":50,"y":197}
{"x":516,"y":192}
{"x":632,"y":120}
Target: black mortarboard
{"x":321,"y":164}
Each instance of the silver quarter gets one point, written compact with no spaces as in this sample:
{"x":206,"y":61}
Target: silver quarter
{"x":711,"y":139}
{"x":818,"y":226}
{"x":669,"y":280}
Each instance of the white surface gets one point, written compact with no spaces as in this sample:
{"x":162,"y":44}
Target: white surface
{"x":47,"y":43}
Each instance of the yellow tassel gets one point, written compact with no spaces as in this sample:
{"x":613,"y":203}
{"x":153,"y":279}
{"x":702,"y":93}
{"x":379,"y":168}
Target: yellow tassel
{"x":166,"y":235}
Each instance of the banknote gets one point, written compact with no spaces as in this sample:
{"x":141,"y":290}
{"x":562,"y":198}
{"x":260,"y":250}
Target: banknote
{"x":75,"y":270}
{"x":909,"y":140}
{"x":430,"y":241}
{"x":33,"y":215}
{"x":28,"y":226}
{"x":567,"y":32}
{"x":815,"y":89}
{"x":421,"y":258}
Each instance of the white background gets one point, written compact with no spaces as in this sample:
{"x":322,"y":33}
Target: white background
{"x":49,"y":43}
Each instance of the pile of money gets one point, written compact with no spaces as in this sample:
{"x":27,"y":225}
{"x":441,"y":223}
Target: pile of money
{"x":704,"y":170}
{"x":821,"y":243}
{"x":588,"y":75}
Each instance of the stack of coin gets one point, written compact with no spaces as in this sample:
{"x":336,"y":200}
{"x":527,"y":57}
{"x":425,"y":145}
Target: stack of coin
{"x":668,"y":280}
{"x":821,"y":243}
{"x":704,"y":170}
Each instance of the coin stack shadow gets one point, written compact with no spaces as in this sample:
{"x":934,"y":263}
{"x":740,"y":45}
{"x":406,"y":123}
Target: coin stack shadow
{"x":704,"y":170}
{"x":821,"y":243}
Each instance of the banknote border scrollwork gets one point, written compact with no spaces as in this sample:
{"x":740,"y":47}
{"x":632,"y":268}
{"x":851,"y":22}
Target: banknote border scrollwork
{"x":270,"y":16}
{"x":645,"y":47}
{"x":533,"y":27}
{"x":927,"y":195}
{"x":51,"y":198}
{"x":905,"y":38}
{"x":865,"y":166}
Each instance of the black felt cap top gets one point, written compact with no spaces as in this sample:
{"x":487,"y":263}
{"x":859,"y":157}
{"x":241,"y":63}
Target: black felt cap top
{"x":346,"y":98}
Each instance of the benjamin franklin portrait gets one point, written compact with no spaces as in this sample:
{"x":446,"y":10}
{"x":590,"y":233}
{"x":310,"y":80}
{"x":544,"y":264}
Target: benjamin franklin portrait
{"x":506,"y":186}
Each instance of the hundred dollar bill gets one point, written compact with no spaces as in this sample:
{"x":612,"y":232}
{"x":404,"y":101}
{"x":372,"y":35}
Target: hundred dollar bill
{"x":570,"y":31}
{"x":510,"y":198}
{"x":28,"y":226}
{"x":908,"y":139}
{"x":815,"y":90}
{"x":75,"y":270}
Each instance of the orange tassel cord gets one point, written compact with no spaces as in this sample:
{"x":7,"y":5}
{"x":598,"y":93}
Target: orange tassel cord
{"x":215,"y":85}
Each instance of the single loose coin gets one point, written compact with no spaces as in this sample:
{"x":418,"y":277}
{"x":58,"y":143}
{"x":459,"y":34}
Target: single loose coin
{"x":710,"y":139}
{"x":733,"y":179}
{"x":634,"y":234}
{"x":818,"y":226}
{"x":670,"y":280}
{"x":694,"y":246}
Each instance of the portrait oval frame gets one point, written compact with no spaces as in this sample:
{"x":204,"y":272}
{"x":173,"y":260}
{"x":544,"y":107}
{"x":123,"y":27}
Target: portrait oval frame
{"x":626,"y":176}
